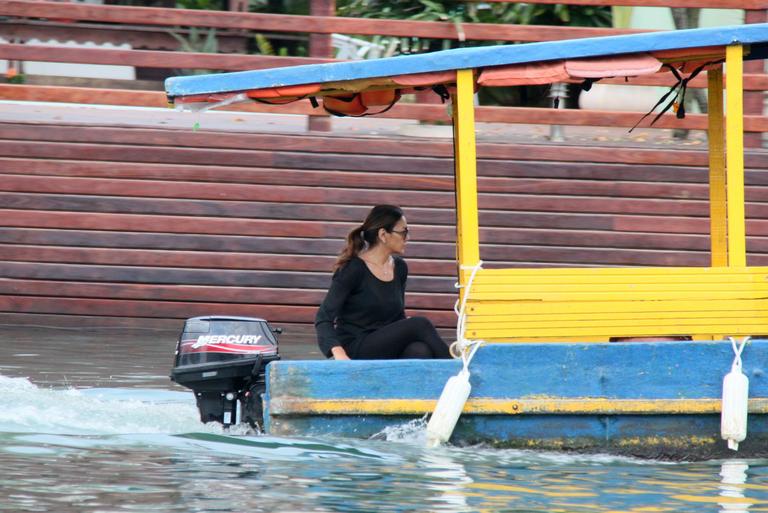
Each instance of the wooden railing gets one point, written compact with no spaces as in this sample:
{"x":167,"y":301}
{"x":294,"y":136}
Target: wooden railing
{"x":28,"y":19}
{"x":714,"y":4}
{"x":108,"y":226}
{"x":152,"y":16}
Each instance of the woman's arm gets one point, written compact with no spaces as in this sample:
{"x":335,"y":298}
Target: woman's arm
{"x":402,"y":274}
{"x":343,"y":282}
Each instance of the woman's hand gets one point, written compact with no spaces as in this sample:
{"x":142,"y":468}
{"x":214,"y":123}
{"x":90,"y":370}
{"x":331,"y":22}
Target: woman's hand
{"x":339,"y":353}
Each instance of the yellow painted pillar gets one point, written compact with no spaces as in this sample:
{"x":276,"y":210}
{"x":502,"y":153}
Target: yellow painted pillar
{"x":737,"y":252}
{"x":717,"y":189}
{"x":465,"y":162}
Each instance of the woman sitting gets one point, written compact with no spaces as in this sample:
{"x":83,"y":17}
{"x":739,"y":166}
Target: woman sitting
{"x":363,"y":313}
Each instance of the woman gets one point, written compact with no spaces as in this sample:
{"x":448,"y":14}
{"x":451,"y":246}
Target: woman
{"x":363,"y":314}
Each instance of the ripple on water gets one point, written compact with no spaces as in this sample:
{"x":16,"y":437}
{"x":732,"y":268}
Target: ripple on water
{"x":129,"y":449}
{"x":25,"y":407}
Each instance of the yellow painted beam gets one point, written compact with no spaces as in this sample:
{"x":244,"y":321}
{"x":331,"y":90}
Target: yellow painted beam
{"x":623,"y":319}
{"x":605,"y":332}
{"x":737,"y":256}
{"x":568,"y":310}
{"x":492,"y":274}
{"x":717,"y":188}
{"x":640,"y":286}
{"x":733,"y":275}
{"x":467,"y":230}
{"x":485,"y":406}
{"x":591,"y":339}
{"x":597,"y":296}
{"x":593,"y":305}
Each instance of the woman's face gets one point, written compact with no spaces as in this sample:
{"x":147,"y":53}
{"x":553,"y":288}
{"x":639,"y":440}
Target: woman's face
{"x":398,"y":237}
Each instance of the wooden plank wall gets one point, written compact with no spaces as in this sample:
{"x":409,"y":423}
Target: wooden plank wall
{"x":107,"y":226}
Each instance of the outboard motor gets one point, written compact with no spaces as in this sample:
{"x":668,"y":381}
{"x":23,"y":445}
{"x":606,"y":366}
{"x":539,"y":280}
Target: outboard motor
{"x":223,"y":360}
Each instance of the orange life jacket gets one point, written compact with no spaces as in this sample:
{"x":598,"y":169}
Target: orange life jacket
{"x":285,"y":94}
{"x":357,"y":104}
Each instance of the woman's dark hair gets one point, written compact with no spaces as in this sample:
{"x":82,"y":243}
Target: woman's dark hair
{"x":380,"y":216}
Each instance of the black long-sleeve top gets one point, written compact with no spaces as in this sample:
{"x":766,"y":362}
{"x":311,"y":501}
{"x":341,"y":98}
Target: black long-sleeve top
{"x":359,"y":303}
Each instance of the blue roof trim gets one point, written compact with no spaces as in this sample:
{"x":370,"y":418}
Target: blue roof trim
{"x":464,"y":58}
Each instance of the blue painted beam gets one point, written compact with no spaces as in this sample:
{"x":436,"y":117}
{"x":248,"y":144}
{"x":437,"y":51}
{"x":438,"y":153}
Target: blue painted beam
{"x":627,"y":370}
{"x":661,"y":374}
{"x":466,"y":58}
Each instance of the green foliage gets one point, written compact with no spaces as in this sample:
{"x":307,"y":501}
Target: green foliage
{"x":139,"y":3}
{"x":458,"y":11}
{"x":421,"y":10}
{"x":221,"y":5}
{"x":280,"y":6}
{"x":263,"y":44}
{"x":554,"y":14}
{"x":210,"y":5}
{"x":198,"y":41}
{"x":259,"y":6}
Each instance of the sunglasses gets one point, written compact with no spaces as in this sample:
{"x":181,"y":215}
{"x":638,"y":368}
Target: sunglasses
{"x":402,"y":233}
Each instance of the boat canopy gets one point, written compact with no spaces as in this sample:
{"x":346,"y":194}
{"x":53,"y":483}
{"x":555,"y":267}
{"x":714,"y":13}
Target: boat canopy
{"x":513,"y":305}
{"x":677,"y":46}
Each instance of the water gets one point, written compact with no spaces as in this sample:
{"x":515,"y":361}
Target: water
{"x":90,"y":423}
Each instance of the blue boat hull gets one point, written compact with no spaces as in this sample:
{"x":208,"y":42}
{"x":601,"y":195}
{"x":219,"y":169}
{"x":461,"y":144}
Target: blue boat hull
{"x":659,"y":400}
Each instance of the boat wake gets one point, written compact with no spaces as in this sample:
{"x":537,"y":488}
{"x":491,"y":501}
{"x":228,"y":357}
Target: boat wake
{"x":108,"y":416}
{"x":36,"y":420}
{"x":413,"y":432}
{"x":27,"y":408}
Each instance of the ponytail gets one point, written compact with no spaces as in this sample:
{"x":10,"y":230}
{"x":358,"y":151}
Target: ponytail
{"x":367,"y":234}
{"x":355,"y":244}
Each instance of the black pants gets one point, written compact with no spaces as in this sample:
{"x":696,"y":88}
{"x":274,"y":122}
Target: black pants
{"x":414,"y":337}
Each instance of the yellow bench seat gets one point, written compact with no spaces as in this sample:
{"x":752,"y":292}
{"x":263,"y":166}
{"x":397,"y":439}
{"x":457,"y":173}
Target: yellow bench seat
{"x":597,"y":304}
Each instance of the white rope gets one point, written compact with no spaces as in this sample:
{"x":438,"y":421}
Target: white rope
{"x":469,"y":353}
{"x":464,"y":348}
{"x":457,"y":389}
{"x":474,"y":268}
{"x":737,"y":350}
{"x":734,"y":411}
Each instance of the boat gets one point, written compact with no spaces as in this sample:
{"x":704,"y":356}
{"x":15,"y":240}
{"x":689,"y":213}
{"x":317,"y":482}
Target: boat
{"x":659,"y":362}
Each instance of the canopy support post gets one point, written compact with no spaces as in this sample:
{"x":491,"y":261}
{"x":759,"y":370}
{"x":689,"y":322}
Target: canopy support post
{"x":465,"y":162}
{"x":717,"y":187}
{"x":737,"y":253}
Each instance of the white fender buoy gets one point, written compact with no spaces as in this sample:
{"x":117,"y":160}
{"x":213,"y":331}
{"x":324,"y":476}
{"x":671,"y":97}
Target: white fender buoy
{"x":448,"y":410}
{"x":733,"y":419}
{"x":457,"y":389}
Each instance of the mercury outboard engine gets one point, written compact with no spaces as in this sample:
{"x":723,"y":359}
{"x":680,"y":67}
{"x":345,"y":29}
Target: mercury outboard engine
{"x":223,"y":360}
